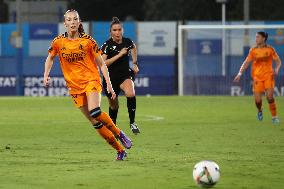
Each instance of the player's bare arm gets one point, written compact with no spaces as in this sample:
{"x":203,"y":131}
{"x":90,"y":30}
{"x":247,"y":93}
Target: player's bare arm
{"x":134,"y":59}
{"x":244,"y":66}
{"x":47,"y":67}
{"x":104,"y":70}
{"x":278,"y":65}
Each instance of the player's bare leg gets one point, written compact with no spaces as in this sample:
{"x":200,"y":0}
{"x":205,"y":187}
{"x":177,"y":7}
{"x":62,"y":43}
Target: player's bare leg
{"x":272,"y":105}
{"x":85,"y":111}
{"x":128,"y":88}
{"x":258,"y":104}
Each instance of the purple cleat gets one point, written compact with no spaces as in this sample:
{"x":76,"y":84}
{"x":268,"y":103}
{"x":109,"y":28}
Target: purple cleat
{"x":125,"y":141}
{"x":121,"y":155}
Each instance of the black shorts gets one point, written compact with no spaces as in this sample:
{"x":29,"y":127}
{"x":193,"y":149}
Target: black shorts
{"x":117,"y":81}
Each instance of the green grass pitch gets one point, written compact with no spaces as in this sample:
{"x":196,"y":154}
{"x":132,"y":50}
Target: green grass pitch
{"x":47,"y":143}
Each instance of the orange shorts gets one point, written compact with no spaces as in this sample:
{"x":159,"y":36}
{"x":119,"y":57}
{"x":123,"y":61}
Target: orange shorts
{"x":261,"y":86}
{"x":81,"y":99}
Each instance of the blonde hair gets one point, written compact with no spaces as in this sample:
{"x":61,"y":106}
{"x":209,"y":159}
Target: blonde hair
{"x":81,"y":28}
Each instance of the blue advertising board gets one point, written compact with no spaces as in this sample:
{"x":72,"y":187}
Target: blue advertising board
{"x":33,"y":86}
{"x":43,"y":31}
{"x":7,"y":85}
{"x":204,"y":46}
{"x":0,"y":39}
{"x":223,"y":85}
{"x":144,"y":85}
{"x":40,"y":37}
{"x":8,"y":39}
{"x":276,"y":38}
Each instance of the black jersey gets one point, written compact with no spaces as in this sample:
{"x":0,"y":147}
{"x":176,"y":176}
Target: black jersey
{"x":121,"y":66}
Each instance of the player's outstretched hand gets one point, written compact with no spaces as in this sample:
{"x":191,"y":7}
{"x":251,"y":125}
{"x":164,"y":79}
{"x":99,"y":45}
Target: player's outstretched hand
{"x":135,"y":69}
{"x":46,"y":81}
{"x":111,"y":91}
{"x":237,"y":78}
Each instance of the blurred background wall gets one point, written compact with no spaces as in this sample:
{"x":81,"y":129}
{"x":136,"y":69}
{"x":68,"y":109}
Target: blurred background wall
{"x":152,"y":25}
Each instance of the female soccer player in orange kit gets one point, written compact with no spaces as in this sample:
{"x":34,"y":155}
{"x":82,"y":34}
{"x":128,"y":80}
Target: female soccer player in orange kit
{"x":262,"y":56}
{"x":80,"y":59}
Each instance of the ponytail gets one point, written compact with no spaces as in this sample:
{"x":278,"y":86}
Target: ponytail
{"x":115,"y":20}
{"x":81,"y":29}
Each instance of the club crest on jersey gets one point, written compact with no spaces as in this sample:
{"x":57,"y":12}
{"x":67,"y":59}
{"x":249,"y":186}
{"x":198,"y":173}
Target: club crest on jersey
{"x":63,"y":49}
{"x":81,"y":47}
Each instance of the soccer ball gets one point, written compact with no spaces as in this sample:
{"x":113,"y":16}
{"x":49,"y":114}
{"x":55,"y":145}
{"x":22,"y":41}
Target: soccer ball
{"x":206,"y":173}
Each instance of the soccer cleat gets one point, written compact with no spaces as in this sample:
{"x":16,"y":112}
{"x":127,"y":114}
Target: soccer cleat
{"x":260,"y":116}
{"x":125,"y":141}
{"x":275,"y":120}
{"x":121,"y":155}
{"x":134,"y":128}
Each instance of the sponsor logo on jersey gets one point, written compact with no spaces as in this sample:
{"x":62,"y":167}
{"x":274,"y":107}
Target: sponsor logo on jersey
{"x":73,"y":57}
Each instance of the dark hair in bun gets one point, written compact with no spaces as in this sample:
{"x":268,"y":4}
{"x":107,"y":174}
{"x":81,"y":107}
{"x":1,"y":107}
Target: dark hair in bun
{"x":115,"y":20}
{"x":263,"y":34}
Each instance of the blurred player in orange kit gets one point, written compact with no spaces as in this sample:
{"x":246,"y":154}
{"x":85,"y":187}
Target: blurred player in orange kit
{"x":262,"y":57}
{"x":80,"y":60}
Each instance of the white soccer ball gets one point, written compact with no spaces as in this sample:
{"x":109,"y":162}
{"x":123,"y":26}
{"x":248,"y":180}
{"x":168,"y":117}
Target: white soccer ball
{"x":206,"y":173}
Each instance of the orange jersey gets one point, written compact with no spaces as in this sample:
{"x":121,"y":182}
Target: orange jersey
{"x":77,"y":60}
{"x":262,"y":58}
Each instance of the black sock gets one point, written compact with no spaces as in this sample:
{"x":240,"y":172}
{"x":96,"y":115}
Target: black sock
{"x":113,"y":114}
{"x":131,"y":105}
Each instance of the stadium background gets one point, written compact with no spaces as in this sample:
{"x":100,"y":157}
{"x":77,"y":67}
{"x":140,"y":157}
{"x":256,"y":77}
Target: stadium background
{"x":157,"y":53}
{"x":46,"y":143}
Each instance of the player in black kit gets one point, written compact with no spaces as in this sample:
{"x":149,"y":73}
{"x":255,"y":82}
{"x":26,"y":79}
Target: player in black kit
{"x":116,"y":52}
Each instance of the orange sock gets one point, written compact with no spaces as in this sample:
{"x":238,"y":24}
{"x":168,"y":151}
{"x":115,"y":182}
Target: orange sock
{"x":108,"y":136}
{"x":105,"y":120}
{"x":272,"y":108}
